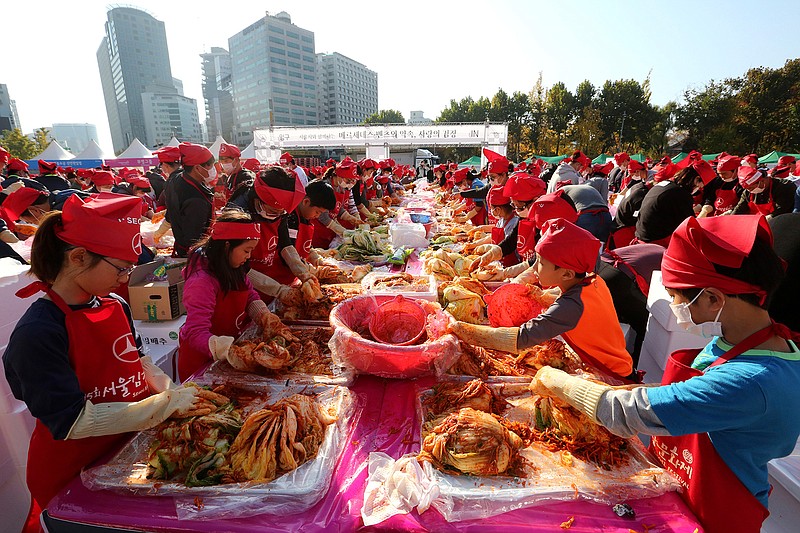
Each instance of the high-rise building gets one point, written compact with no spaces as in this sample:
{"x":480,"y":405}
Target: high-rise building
{"x":217,"y":94}
{"x":168,"y":114}
{"x":348,"y":91}
{"x":132,"y":57}
{"x":274,"y":76}
{"x":9,"y":119}
{"x":73,"y":137}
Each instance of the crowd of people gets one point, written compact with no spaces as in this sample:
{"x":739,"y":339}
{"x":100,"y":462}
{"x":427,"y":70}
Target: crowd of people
{"x":721,"y":232}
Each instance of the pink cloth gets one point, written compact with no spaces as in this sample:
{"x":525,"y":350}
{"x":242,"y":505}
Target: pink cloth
{"x":387,"y":423}
{"x":200,"y":298}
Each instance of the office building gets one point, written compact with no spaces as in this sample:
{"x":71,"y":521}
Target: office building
{"x":73,"y":137}
{"x":274,"y":78}
{"x":9,"y":120}
{"x":168,"y":114}
{"x":132,"y":56}
{"x":217,"y":94}
{"x":418,"y":118}
{"x":348,"y":91}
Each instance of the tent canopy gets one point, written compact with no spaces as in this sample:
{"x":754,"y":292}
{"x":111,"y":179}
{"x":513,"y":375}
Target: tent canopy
{"x":250,"y":151}
{"x":772,"y":157}
{"x":54,"y":152}
{"x":601,"y":159}
{"x":214,"y":148}
{"x":135,"y":151}
{"x":92,"y":151}
{"x":474,"y":161}
{"x":552,"y":159}
{"x":174,"y":141}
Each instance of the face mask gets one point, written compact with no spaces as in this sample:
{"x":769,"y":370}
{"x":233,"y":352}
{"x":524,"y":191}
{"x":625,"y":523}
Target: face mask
{"x":525,"y":212}
{"x":732,"y":178}
{"x":227,"y":168}
{"x":757,"y":190}
{"x":707,"y":330}
{"x":263,"y":213}
{"x":212,"y":176}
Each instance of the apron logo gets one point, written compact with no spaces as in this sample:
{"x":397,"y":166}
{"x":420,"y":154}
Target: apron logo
{"x":124,"y":349}
{"x":273,"y":243}
{"x":307,"y":246}
{"x":240,"y":320}
{"x":520,"y":242}
{"x":687,"y":456}
{"x":136,"y":244}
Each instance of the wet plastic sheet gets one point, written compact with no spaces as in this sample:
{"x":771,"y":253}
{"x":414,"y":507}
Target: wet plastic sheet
{"x":465,"y":497}
{"x":294,"y":492}
{"x":350,"y":345}
{"x":387,"y":423}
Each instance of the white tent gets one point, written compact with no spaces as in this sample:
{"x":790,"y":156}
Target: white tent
{"x":135,"y":151}
{"x":92,"y":151}
{"x":216,"y":146}
{"x":174,"y":141}
{"x":54,"y":152}
{"x":250,"y":151}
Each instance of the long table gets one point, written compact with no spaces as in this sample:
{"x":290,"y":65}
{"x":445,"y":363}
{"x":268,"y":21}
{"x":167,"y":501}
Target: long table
{"x":387,"y":423}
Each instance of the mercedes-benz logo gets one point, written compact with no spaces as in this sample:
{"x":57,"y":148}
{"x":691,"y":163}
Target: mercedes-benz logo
{"x":124,"y":349}
{"x":241,"y":320}
{"x":136,"y":243}
{"x":307,"y":246}
{"x":273,"y":242}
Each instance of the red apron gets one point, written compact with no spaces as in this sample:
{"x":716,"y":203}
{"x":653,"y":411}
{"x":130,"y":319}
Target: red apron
{"x":230,"y":319}
{"x":265,"y":257}
{"x":480,"y":217}
{"x":762,"y":209}
{"x":322,"y":236}
{"x":526,"y":239}
{"x":713,"y":492}
{"x":623,"y":236}
{"x":725,"y":201}
{"x":303,"y":238}
{"x":103,"y":354}
{"x":498,"y":235}
{"x":370,"y":192}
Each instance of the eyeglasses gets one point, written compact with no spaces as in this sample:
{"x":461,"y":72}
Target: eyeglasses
{"x":121,"y":272}
{"x":523,"y":207}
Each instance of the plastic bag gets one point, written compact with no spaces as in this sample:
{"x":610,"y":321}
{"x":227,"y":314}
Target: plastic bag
{"x":466,"y":497}
{"x":294,"y":492}
{"x":351,"y":346}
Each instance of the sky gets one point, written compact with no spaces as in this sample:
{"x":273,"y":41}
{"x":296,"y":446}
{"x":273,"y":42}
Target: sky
{"x":425,"y":52}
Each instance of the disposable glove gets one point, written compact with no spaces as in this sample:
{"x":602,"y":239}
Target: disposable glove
{"x":582,"y":394}
{"x":156,"y":378}
{"x":502,"y":339}
{"x":162,"y":230}
{"x":295,"y":263}
{"x":337,"y":228}
{"x":489,"y":253}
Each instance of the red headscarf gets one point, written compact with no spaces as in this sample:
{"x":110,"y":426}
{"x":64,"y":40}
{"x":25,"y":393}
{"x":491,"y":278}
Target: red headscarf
{"x":603,"y":169}
{"x":194,"y":154}
{"x":169,"y":154}
{"x":730,"y":162}
{"x":279,"y":192}
{"x":496,"y":196}
{"x":523,"y":187}
{"x":229,"y":150}
{"x":568,"y":246}
{"x":551,"y":206}
{"x":226,"y":231}
{"x":700,"y":243}
{"x":497,"y":163}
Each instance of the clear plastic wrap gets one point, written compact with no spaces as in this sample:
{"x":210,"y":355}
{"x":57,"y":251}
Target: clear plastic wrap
{"x":551,"y":476}
{"x":337,"y":375}
{"x":350,"y":345}
{"x":294,"y":492}
{"x":423,"y":287}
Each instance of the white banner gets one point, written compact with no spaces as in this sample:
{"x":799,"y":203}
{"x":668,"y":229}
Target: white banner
{"x":281,"y":138}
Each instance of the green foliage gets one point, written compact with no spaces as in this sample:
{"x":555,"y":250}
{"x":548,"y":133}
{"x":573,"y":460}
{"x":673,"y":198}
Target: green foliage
{"x":386,"y":116}
{"x":18,"y":145}
{"x":40,"y":138}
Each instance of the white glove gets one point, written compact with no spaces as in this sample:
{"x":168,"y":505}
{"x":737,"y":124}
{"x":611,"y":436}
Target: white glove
{"x":489,"y":253}
{"x":7,"y":236}
{"x":162,"y":230}
{"x":337,"y":228}
{"x":156,"y":378}
{"x":503,"y":339}
{"x":219,"y":346}
{"x":264,"y":283}
{"x":582,"y":394}
{"x":121,"y":417}
{"x":298,"y":267}
{"x":522,"y":273}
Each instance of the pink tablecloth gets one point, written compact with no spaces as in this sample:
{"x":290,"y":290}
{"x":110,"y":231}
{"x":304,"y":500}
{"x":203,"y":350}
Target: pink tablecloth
{"x":387,"y":424}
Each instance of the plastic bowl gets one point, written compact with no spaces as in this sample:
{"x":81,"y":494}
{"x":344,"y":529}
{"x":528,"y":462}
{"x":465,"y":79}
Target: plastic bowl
{"x":420,"y":218}
{"x":400,"y":321}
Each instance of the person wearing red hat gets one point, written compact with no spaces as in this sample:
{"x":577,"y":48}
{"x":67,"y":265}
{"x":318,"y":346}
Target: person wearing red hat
{"x":220,"y":300}
{"x":189,"y":197}
{"x":102,"y":181}
{"x":474,"y":206}
{"x":670,"y":202}
{"x":722,"y":194}
{"x":364,"y":190}
{"x":750,"y":160}
{"x":331,"y":162}
{"x":566,"y":257}
{"x":721,"y":412}
{"x":231,"y":164}
{"x":74,"y":357}
{"x":598,"y":177}
{"x":634,"y":189}
{"x":17,"y":167}
{"x":504,"y":231}
{"x":498,"y":167}
{"x":320,"y":199}
{"x":616,"y":175}
{"x":169,"y":164}
{"x":569,"y":171}
{"x":342,"y":178}
{"x":764,"y":194}
{"x":50,"y":178}
{"x":24,"y":209}
{"x":287,"y":161}
{"x":139,"y":186}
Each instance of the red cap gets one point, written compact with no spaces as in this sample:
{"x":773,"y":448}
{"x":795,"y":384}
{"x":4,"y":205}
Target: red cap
{"x":138,"y":181}
{"x":700,"y":243}
{"x":785,"y":160}
{"x":85,"y":172}
{"x":729,"y":162}
{"x":705,"y":170}
{"x":603,"y":169}
{"x":496,"y":196}
{"x":280,"y":192}
{"x":4,"y":155}
{"x":452,"y":166}
{"x":286,"y":158}
{"x":580,"y":157}
{"x":521,"y":166}
{"x":497,"y":163}
{"x":523,"y":187}
{"x":17,"y":164}
{"x":103,"y":177}
{"x":229,"y":150}
{"x":665,"y":169}
{"x":168,"y":154}
{"x":17,"y":202}
{"x":367,"y":163}
{"x":748,"y":176}
{"x":228,"y":231}
{"x":330,"y":162}
{"x":751,"y":159}
{"x":194,"y":154}
{"x":551,"y":206}
{"x":459,"y":175}
{"x":693,"y":156}
{"x":634,"y":165}
{"x":251,"y":164}
{"x":107,"y":225}
{"x":568,"y":246}
{"x":46,"y":166}
{"x":347,"y":170}
{"x":621,"y":157}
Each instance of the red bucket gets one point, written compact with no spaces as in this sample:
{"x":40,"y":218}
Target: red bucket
{"x":400,"y":322}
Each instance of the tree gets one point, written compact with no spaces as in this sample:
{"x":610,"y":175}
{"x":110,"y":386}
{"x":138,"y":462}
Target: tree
{"x":385,"y":116}
{"x":709,"y":117}
{"x":584,"y":96}
{"x":559,"y":109}
{"x":40,"y":138}
{"x":18,"y":145}
{"x":536,"y":123}
{"x":627,"y":118}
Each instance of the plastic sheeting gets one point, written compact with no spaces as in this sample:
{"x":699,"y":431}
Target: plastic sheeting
{"x":386,"y":424}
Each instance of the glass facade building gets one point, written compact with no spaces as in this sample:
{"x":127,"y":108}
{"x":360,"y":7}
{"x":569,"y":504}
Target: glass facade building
{"x":217,"y":94}
{"x":348,"y":90}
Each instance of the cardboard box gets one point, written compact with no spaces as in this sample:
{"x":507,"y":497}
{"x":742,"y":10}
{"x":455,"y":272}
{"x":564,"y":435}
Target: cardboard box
{"x":160,"y":335}
{"x":660,"y":342}
{"x":658,"y":304}
{"x":157,"y":300}
{"x":653,"y":373}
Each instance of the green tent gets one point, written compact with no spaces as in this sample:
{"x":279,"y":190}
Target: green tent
{"x":711,"y":157}
{"x":601,"y":159}
{"x":552,"y":159}
{"x":679,"y":157}
{"x":638,"y":157}
{"x":474,"y":161}
{"x":772,"y":157}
